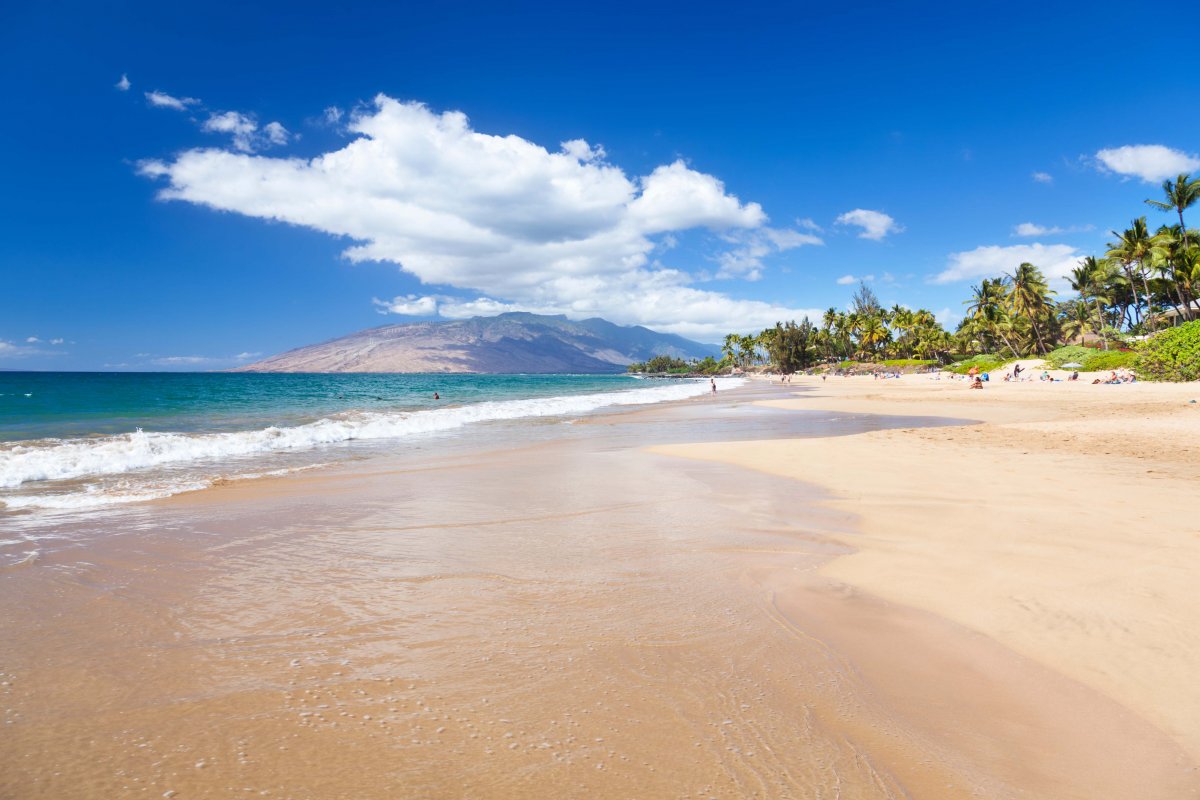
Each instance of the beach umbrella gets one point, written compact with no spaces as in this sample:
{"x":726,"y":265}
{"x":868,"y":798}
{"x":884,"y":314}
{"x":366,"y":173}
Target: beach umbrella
{"x":1072,"y":365}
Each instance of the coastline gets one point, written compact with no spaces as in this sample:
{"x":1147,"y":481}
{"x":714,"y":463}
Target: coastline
{"x":572,"y":616}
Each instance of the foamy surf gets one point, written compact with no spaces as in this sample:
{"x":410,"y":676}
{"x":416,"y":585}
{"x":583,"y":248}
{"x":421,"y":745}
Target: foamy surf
{"x":93,"y":460}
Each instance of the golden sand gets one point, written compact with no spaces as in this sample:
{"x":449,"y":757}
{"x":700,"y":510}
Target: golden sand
{"x":583,"y":618}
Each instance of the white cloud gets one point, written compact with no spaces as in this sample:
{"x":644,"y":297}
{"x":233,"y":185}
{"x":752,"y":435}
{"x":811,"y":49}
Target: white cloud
{"x":1042,"y":177}
{"x":332,"y":115}
{"x":177,"y":361}
{"x":237,"y":125}
{"x":582,"y":151}
{"x":745,"y":260}
{"x":123,"y":84}
{"x":56,"y":341}
{"x":875,"y":224}
{"x":499,"y":216}
{"x":1033,"y":229}
{"x":1054,"y":260}
{"x":276,"y":133}
{"x":163,"y":100}
{"x":847,"y":280}
{"x":809,"y":225}
{"x":1150,"y":162}
{"x":25,"y":349}
{"x":409,"y":305}
{"x":244,"y":130}
{"x":199,"y":361}
{"x":947,"y":318}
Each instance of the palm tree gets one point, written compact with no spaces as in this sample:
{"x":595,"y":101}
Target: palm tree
{"x":1076,"y":318}
{"x":730,"y":347}
{"x":1183,"y":192}
{"x":1091,"y":279}
{"x":1134,"y":246}
{"x":872,"y":332}
{"x":1029,"y":298}
{"x":987,"y":308}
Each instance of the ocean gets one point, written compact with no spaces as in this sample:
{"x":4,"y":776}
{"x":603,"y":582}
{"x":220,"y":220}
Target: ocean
{"x":76,"y":441}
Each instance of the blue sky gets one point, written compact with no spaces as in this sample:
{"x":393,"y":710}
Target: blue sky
{"x":190,"y":188}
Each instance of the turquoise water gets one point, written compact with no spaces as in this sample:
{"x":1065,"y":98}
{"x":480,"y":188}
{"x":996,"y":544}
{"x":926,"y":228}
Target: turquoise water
{"x":71,"y":441}
{"x":39,"y":405}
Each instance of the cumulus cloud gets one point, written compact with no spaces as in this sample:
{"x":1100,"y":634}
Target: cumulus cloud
{"x":332,"y":115}
{"x":500,"y":217}
{"x":123,"y":84}
{"x":163,"y":100}
{"x":847,"y":280}
{"x":409,"y":306}
{"x":1042,"y":177}
{"x":1150,"y":162}
{"x":1054,"y":260}
{"x":875,"y":224}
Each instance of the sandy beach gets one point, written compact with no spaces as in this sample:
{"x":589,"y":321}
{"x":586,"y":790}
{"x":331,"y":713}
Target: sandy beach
{"x":786,"y":591}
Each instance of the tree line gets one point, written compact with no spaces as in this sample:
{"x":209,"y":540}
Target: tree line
{"x":1142,"y":282}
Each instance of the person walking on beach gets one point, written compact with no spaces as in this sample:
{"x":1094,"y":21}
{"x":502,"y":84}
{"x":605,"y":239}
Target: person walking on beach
{"x":713,"y":381}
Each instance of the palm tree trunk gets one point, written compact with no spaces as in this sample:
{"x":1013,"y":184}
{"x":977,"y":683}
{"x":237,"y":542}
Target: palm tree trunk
{"x":1100,"y":323}
{"x":1137,"y":314}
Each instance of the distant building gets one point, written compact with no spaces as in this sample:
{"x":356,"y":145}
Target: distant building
{"x":1172,"y":316}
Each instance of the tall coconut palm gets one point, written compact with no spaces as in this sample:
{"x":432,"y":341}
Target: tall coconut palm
{"x":1076,"y":318}
{"x":872,"y":333}
{"x":730,"y":347}
{"x":987,"y":306}
{"x":1029,"y":298}
{"x":1091,"y":280}
{"x":1134,"y":247}
{"x":1181,"y":193}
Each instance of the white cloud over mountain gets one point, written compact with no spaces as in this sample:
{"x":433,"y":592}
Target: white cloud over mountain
{"x":1150,"y":162}
{"x":513,"y":223}
{"x":1054,"y":260}
{"x":875,"y":224}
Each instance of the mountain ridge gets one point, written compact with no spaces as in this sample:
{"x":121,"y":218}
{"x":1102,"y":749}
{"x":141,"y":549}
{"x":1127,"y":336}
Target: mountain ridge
{"x":514,"y":342}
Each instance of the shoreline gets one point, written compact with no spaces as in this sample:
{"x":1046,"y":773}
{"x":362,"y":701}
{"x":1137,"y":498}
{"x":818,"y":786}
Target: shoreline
{"x":571,"y":616}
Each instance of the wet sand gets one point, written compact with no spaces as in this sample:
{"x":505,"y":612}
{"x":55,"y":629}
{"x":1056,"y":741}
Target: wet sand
{"x":576,"y":617}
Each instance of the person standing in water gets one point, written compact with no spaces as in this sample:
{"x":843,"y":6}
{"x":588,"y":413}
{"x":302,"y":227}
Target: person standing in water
{"x":713,"y":382}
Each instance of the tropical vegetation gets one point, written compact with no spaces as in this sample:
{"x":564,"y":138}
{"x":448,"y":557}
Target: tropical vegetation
{"x":1145,"y":281}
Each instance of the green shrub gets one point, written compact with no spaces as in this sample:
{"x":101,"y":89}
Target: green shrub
{"x":1171,"y":355}
{"x":986,"y":363}
{"x":1100,"y":360}
{"x":907,"y":362}
{"x":1065,"y":355}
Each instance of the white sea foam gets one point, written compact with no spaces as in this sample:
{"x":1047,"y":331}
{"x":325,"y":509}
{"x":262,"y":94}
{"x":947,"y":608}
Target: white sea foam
{"x":74,"y":459}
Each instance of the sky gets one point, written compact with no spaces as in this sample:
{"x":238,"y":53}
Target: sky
{"x":193,"y":187}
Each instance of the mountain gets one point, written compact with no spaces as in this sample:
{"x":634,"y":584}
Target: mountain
{"x":509,"y":343}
